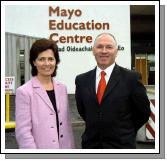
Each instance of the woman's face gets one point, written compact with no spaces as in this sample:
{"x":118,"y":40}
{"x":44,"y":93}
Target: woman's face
{"x":45,"y":63}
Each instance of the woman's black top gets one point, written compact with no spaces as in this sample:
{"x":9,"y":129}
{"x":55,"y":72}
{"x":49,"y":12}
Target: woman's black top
{"x":51,"y":95}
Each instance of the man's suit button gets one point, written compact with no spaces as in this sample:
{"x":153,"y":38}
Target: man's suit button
{"x":61,"y":123}
{"x":61,"y":136}
{"x":100,"y":115}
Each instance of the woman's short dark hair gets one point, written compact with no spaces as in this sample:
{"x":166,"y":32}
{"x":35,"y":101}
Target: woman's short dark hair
{"x":39,"y":46}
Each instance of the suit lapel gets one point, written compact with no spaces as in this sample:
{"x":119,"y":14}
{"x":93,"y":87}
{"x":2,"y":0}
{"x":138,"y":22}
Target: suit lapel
{"x":39,"y":90}
{"x":93,"y":84}
{"x":57,"y":91}
{"x":114,"y":79}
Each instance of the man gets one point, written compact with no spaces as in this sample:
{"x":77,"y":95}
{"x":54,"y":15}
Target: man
{"x":111,"y":100}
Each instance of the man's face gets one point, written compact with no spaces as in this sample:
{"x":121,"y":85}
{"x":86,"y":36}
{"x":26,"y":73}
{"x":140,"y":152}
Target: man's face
{"x":105,"y":50}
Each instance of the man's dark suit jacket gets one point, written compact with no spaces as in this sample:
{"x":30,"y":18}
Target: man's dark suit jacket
{"x":124,"y":109}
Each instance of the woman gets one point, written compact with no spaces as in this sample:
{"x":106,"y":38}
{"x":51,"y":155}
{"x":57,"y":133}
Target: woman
{"x":42,"y":112}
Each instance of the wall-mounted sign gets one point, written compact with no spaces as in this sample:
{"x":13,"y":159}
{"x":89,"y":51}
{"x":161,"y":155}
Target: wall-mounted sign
{"x":9,"y":85}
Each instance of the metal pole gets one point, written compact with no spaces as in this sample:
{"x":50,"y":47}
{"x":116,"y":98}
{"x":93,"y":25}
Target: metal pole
{"x":7,"y":107}
{"x":8,"y":124}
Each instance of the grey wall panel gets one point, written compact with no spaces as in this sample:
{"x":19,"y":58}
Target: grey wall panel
{"x":26,"y":59}
{"x":14,"y":43}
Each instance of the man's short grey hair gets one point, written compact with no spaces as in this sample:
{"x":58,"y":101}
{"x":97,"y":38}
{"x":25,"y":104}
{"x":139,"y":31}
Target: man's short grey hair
{"x":105,"y":33}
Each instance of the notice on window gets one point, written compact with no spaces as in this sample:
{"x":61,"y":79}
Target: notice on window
{"x":9,"y":85}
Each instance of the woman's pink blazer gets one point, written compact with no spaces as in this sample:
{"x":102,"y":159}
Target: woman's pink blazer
{"x":36,"y":125}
